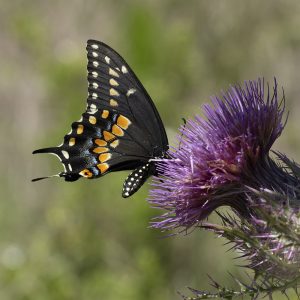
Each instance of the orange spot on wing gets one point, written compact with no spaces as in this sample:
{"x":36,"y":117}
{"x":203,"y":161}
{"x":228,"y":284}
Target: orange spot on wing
{"x":116,"y":130}
{"x":80,"y":129}
{"x":104,"y":157}
{"x":114,"y":144}
{"x":92,"y":120}
{"x":108,"y":136}
{"x":100,"y":142}
{"x":105,"y":114}
{"x":100,"y":150}
{"x":113,"y":102}
{"x":103,"y":167}
{"x":123,"y":122}
{"x":113,"y":92}
{"x":86,"y":173}
{"x":72,"y":141}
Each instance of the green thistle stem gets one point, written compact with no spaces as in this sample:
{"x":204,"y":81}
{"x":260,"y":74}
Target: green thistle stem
{"x":225,"y":293}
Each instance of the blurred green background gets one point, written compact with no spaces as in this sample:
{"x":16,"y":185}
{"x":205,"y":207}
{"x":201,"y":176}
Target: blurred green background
{"x":81,"y":240}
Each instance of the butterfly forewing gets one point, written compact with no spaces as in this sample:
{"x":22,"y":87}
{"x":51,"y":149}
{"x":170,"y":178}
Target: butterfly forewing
{"x":120,"y":129}
{"x":121,"y":90}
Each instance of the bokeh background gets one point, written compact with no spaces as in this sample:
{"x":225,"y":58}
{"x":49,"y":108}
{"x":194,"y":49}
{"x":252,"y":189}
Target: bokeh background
{"x":81,"y":240}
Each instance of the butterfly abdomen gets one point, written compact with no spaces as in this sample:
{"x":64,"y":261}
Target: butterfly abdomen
{"x":137,"y":178}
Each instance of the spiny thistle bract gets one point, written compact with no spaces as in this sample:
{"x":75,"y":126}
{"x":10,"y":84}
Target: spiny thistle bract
{"x":224,"y":159}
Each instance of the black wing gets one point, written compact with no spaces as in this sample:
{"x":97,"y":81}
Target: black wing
{"x":120,"y":129}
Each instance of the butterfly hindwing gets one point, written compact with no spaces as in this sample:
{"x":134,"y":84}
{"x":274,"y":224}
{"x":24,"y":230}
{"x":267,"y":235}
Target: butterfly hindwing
{"x":120,"y":129}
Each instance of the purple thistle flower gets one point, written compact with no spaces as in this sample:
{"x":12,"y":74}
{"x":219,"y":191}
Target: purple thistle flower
{"x":225,"y":159}
{"x":218,"y":157}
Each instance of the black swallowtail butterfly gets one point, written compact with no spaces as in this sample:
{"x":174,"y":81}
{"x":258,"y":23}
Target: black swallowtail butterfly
{"x":120,"y":129}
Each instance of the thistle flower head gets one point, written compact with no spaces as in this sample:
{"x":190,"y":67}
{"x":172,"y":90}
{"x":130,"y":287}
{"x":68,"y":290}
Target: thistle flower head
{"x":218,"y":155}
{"x":224,"y":159}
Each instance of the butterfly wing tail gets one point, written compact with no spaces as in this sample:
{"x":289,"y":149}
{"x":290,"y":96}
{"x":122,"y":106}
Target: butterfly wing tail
{"x":69,"y":176}
{"x":51,"y":150}
{"x":45,"y":177}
